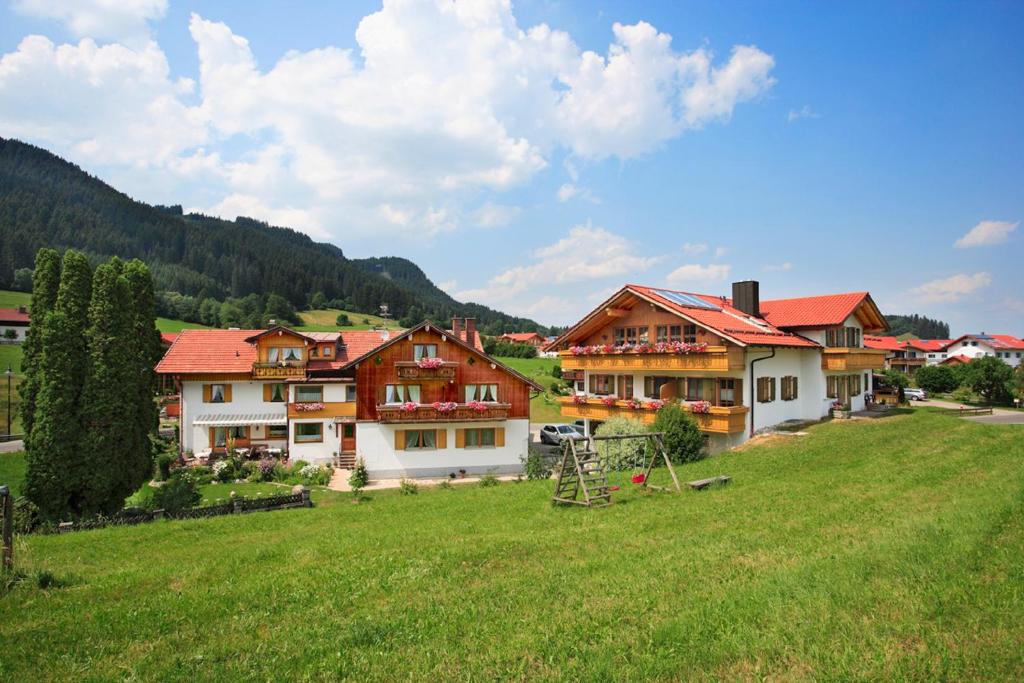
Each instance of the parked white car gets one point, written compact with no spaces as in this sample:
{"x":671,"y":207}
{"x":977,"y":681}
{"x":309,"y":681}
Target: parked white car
{"x":915,"y":394}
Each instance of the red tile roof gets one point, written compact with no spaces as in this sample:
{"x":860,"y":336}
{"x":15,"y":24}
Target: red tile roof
{"x":521,"y":336}
{"x":209,"y":351}
{"x":996,"y":341}
{"x":13,"y":316}
{"x":812,"y":311}
{"x":886,"y":343}
{"x":930,"y":344}
{"x":961,"y":358}
{"x":168,"y":337}
{"x":726,"y":320}
{"x":894,"y":344}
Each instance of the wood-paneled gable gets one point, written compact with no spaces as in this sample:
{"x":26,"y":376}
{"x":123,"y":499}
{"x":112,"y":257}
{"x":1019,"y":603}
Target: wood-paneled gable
{"x":646,"y":315}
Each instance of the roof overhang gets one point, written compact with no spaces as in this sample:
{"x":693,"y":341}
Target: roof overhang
{"x":280,"y":330}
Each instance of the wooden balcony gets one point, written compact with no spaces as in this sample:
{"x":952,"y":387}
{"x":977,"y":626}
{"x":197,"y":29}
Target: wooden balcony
{"x":712,"y":359}
{"x":920,"y":360}
{"x":721,"y":419}
{"x":333,"y":409}
{"x":850,"y":358}
{"x":408,"y":369}
{"x":428,"y":413}
{"x":279,"y":370}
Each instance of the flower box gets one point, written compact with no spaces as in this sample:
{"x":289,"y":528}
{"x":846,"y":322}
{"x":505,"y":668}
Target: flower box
{"x":659,"y":347}
{"x":429,"y":363}
{"x":310,"y":407}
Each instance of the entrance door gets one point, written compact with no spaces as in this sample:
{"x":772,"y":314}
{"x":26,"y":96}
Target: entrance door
{"x":348,"y":437}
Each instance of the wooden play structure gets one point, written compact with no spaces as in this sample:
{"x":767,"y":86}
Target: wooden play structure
{"x":581,"y":477}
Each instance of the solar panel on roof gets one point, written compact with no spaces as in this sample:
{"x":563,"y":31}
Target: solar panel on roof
{"x":686,"y":300}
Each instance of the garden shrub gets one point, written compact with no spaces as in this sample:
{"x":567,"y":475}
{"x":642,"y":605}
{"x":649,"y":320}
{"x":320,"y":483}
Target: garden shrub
{"x":163,"y":466}
{"x":684,"y":441}
{"x":408,"y":488}
{"x":536,"y":465}
{"x":622,"y":454}
{"x":937,"y":379}
{"x":991,"y":378}
{"x":313,"y":475}
{"x":224,"y":471}
{"x":489,"y":480}
{"x":179,"y":493}
{"x":359,"y":477}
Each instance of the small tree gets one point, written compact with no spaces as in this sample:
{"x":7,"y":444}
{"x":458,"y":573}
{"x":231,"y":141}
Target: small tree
{"x":10,"y":333}
{"x":343,"y":320}
{"x":359,"y":478}
{"x":937,"y":379}
{"x":622,"y":454}
{"x":898,"y":381}
{"x":990,"y":377}
{"x":683,"y":438}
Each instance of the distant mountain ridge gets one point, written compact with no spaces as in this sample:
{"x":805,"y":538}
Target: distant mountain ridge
{"x":47,"y":201}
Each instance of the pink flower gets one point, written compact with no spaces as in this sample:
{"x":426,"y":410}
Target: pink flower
{"x":445,"y":406}
{"x":478,"y":406}
{"x":309,"y":407}
{"x":408,"y":407}
{"x":700,"y":407}
{"x":429,"y":363}
{"x":579,"y":399}
{"x":636,"y":404}
{"x":608,"y":401}
{"x":656,"y":404}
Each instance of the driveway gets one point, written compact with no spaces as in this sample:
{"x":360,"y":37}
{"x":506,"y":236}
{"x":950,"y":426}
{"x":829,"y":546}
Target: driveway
{"x":11,"y":446}
{"x":999,"y":416}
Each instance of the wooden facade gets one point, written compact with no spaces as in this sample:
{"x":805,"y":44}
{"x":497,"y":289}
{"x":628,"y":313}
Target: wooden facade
{"x":719,"y":419}
{"x":712,"y":359}
{"x":849,"y":358}
{"x":390,"y":366}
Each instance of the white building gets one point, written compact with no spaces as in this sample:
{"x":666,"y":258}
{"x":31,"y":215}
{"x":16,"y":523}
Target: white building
{"x":13,"y":324}
{"x":1006,"y":347}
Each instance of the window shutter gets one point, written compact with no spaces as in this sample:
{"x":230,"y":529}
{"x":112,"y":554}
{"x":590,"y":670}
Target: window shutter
{"x":441,"y":438}
{"x":460,"y":438}
{"x":771,"y":381}
{"x":499,"y":437}
{"x":267,"y":393}
{"x":399,"y":440}
{"x":593,"y":384}
{"x":206,"y":396}
{"x":793,"y":387}
{"x":227,"y":393}
{"x":213,"y":436}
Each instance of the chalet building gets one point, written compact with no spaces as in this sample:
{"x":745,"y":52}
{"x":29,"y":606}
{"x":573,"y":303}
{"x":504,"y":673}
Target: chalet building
{"x":908,"y":355}
{"x":422,"y":402}
{"x":528,"y":338}
{"x":739,"y":365}
{"x":1006,"y":347}
{"x":13,"y":324}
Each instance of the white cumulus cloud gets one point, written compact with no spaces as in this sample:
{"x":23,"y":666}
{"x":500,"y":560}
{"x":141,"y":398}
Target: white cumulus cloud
{"x":492,"y":215}
{"x":987,"y":233}
{"x":691,"y":248}
{"x":125,"y":20}
{"x":778,"y":267}
{"x":952,"y":288}
{"x":695,"y":272}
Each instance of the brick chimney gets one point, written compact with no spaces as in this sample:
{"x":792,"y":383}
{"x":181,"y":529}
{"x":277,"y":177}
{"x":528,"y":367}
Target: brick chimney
{"x":22,"y":309}
{"x":746,"y":297}
{"x":471,"y":331}
{"x":457,"y":327}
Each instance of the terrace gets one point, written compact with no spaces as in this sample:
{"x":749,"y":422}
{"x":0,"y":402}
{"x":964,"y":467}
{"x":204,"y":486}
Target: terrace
{"x":442,"y":412}
{"x":710,"y":418}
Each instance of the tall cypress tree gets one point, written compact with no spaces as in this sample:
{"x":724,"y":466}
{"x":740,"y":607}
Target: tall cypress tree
{"x":45,"y":283}
{"x":109,"y":394}
{"x":146,"y":352}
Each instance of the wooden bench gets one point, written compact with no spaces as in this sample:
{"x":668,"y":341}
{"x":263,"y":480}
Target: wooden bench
{"x":701,"y":484}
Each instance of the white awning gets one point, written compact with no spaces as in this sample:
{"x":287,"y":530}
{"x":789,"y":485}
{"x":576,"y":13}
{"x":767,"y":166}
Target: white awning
{"x":224,"y":420}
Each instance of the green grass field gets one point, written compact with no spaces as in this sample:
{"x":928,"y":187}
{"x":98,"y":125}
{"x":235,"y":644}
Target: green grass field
{"x":543,"y":408}
{"x":10,"y":299}
{"x":325,"y":320}
{"x":867,"y":550}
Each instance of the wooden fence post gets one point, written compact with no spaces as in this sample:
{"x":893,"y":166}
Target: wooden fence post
{"x":8,"y":527}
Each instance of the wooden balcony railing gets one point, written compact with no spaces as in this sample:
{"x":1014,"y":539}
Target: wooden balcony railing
{"x":426,"y":412}
{"x":711,"y":359}
{"x":288,"y":368}
{"x":408,"y":369}
{"x":852,"y":358}
{"x":718,"y":419}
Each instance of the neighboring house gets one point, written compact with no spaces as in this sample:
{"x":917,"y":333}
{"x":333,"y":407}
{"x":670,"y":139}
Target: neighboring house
{"x":956,"y":360}
{"x":327,"y":396}
{"x":1006,"y":347}
{"x":13,"y":324}
{"x":528,"y":338}
{"x":908,"y":355}
{"x":739,"y":364}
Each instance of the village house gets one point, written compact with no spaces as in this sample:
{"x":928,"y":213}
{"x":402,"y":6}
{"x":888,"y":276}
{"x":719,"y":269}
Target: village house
{"x":1006,"y":347}
{"x":13,"y":324}
{"x":908,"y":355}
{"x":416,"y":403}
{"x":528,"y":338}
{"x":739,"y":365}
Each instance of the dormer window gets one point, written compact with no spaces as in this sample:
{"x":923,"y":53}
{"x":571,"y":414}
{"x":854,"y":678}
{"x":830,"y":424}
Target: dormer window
{"x":424,"y":351}
{"x":327,"y":351}
{"x":285,"y":353}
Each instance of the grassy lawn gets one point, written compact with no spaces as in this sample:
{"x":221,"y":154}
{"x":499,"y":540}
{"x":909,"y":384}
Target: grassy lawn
{"x":873,"y":550}
{"x":325,"y":320}
{"x":12,"y":471}
{"x":10,"y":299}
{"x":168,"y":325}
{"x":543,"y":408}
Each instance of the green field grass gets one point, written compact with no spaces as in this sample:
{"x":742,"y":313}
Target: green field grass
{"x":10,"y":299}
{"x":12,"y":471}
{"x":543,"y":407}
{"x":325,"y":320}
{"x":887,"y":549}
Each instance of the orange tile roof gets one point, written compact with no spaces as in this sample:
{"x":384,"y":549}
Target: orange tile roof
{"x":726,"y":320}
{"x":521,"y":336}
{"x":168,"y":337}
{"x":812,"y":311}
{"x":209,"y":351}
{"x":886,"y":343}
{"x":13,"y":315}
{"x":960,"y":358}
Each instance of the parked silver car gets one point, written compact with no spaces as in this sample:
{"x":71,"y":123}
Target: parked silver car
{"x":555,"y":434}
{"x":915,"y":394}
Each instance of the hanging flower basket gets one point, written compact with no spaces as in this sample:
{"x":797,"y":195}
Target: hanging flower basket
{"x":608,"y":401}
{"x":445,"y":406}
{"x":639,"y":478}
{"x":478,"y":406}
{"x":429,"y":363}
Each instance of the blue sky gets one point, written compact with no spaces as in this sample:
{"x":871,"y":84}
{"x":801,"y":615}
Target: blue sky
{"x":534,"y":157}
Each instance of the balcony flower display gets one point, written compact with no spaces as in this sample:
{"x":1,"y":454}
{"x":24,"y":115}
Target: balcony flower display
{"x":675,"y":347}
{"x":636,"y":404}
{"x":579,"y":399}
{"x":700,"y":407}
{"x":608,"y":401}
{"x":408,"y":407}
{"x":309,"y":407}
{"x":445,"y":406}
{"x":656,"y":405}
{"x":429,"y":363}
{"x":478,"y":406}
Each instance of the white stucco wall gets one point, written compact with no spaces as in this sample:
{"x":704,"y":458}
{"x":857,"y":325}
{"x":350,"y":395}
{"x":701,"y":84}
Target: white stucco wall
{"x":965,"y":348}
{"x":318,"y":452}
{"x":375,"y":443}
{"x":246,"y":397}
{"x":19,"y":330}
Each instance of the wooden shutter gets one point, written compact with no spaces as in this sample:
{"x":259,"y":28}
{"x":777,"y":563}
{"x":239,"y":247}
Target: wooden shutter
{"x":737,"y":392}
{"x":593,"y":384}
{"x":441,"y":438}
{"x":267,"y":392}
{"x":460,"y":438}
{"x":227,"y":393}
{"x":771,"y":384}
{"x":793,"y":392}
{"x":207,"y":390}
{"x":212,"y":436}
{"x":499,"y":437}
{"x":399,"y":440}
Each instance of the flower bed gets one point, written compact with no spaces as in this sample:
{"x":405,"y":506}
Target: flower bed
{"x":659,"y":347}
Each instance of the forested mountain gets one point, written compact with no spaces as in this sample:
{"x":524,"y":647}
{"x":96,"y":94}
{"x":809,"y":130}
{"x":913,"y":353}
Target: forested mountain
{"x":920,"y":326}
{"x":48,"y":202}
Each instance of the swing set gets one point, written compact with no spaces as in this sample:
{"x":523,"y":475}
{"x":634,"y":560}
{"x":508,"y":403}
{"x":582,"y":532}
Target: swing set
{"x":581,"y":477}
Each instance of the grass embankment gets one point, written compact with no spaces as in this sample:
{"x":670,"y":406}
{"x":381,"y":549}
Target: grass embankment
{"x":877,"y":550}
{"x":325,"y":320}
{"x":543,"y":408}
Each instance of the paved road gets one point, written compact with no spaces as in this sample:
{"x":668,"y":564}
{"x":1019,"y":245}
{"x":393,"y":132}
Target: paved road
{"x":11,"y":446}
{"x":999,"y":416}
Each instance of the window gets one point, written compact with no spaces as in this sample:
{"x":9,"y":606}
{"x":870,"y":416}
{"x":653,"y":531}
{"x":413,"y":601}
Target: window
{"x":854,"y":381}
{"x":313,"y":352}
{"x":276,"y":393}
{"x":602,"y":385}
{"x":350,"y":392}
{"x":729,"y":392}
{"x":420,"y":439}
{"x":669,"y":333}
{"x":480,"y":438}
{"x":838,"y":337}
{"x":653,"y":386}
{"x":695,"y":389}
{"x":402,"y":393}
{"x":306,"y":432}
{"x":309,"y":393}
{"x":626,"y":387}
{"x":221,"y":434}
{"x":690,"y":334}
{"x":218,"y":393}
{"x":832,"y":386}
{"x":327,"y":351}
{"x":486,"y":393}
{"x":789,"y":390}
{"x":286,"y":353}
{"x":630,"y":335}
{"x":277,"y":431}
{"x":765,"y":389}
{"x":424,"y":351}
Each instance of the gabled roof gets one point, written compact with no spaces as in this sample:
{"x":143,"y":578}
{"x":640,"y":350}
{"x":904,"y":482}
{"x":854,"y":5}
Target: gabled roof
{"x":710,"y":312}
{"x":930,"y":344}
{"x":209,"y":351}
{"x":829,"y":310}
{"x":168,"y":337}
{"x":521,"y":336}
{"x":884,"y":343}
{"x":960,"y":358}
{"x":895,"y":344}
{"x":280,"y":329}
{"x":13,"y":316}
{"x":1002,"y":342}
